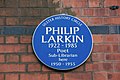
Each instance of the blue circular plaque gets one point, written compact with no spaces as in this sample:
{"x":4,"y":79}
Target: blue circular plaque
{"x":62,"y":42}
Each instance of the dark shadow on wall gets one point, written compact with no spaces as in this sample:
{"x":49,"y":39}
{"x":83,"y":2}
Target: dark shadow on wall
{"x":30,"y":12}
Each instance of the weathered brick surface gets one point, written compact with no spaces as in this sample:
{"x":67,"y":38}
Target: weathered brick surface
{"x":11,"y":76}
{"x":12,"y":21}
{"x":114,"y":76}
{"x":55,"y":76}
{"x":2,"y":76}
{"x":78,"y":76}
{"x":99,"y":66}
{"x":12,"y":58}
{"x":2,"y":58}
{"x":11,"y":48}
{"x":34,"y":67}
{"x":29,"y":58}
{"x":94,"y":3}
{"x":12,"y":68}
{"x":34,"y":76}
{"x":1,"y":39}
{"x":11,"y":39}
{"x":18,"y":17}
{"x":100,"y":76}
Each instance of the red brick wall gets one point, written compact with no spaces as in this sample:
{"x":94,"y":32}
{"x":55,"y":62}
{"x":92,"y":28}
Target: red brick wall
{"x":17,"y":59}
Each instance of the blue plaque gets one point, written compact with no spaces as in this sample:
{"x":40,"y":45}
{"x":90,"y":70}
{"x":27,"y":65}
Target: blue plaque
{"x":62,"y":42}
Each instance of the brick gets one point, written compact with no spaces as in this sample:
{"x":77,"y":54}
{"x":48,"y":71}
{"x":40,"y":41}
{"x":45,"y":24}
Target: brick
{"x":30,"y":49}
{"x":29,"y":12}
{"x":12,"y":21}
{"x":11,"y":3}
{"x":35,"y":12}
{"x":30,"y":21}
{"x":2,"y":4}
{"x":2,"y":49}
{"x":112,"y":21}
{"x":12,"y":58}
{"x":11,"y":39}
{"x":102,"y":48}
{"x":88,"y":60}
{"x":108,"y":3}
{"x":34,"y":67}
{"x":88,"y":11}
{"x":12,"y":68}
{"x":55,"y":76}
{"x":34,"y":76}
{"x":116,"y":48}
{"x":84,"y":19}
{"x":33,"y":3}
{"x":100,"y":12}
{"x":52,"y":11}
{"x":118,"y":2}
{"x":77,"y":3}
{"x":77,"y":11}
{"x":113,"y":13}
{"x":117,"y":66}
{"x":24,"y":3}
{"x":46,"y":69}
{"x":99,"y":67}
{"x":1,"y":39}
{"x":24,"y":12}
{"x":8,"y":12}
{"x":114,"y":38}
{"x":94,"y":3}
{"x":98,"y":57}
{"x":100,"y":76}
{"x":11,"y":77}
{"x":114,"y":76}
{"x":118,"y":12}
{"x":25,"y":39}
{"x":38,"y":3}
{"x":2,"y":21}
{"x":77,"y":76}
{"x":28,"y":58}
{"x":80,"y":68}
{"x":54,"y":3}
{"x":96,"y":21}
{"x":12,"y":48}
{"x":44,"y":3}
{"x":115,"y":56}
{"x":1,"y":76}
{"x":98,"y":38}
{"x":2,"y":58}
{"x":44,"y":12}
{"x":20,"y":48}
